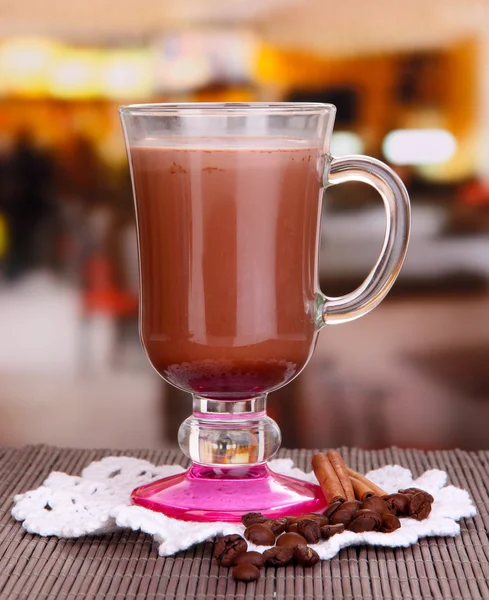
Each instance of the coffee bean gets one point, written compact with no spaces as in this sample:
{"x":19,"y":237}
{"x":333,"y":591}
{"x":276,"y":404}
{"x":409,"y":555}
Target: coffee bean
{"x":278,"y":526}
{"x":305,"y":556}
{"x":290,"y":539}
{"x":260,"y":534}
{"x":309,"y":530}
{"x":246,"y":572}
{"x":279,"y":555}
{"x":293,"y":520}
{"x":254,"y":558}
{"x":375,"y":503}
{"x":419,"y":506}
{"x":228,"y":547}
{"x":252,"y":518}
{"x":389,"y":523}
{"x":328,"y":531}
{"x":412,"y":491}
{"x":345,"y":513}
{"x":331,"y":509}
{"x":365,"y":520}
{"x":292,"y":528}
{"x":320,"y":519}
{"x":398,"y":504}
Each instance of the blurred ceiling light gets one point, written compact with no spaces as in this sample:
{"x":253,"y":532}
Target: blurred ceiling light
{"x":128,"y":73}
{"x":346,"y":142}
{"x":419,"y":146}
{"x":25,"y":65}
{"x":76,"y":74}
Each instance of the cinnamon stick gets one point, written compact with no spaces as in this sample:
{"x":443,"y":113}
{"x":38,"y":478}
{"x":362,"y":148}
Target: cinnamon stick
{"x":361,"y":489}
{"x":328,"y":479}
{"x":375,"y":488}
{"x":339,"y":466}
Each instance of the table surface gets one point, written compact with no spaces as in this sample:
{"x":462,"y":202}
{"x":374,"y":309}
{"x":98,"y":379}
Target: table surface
{"x":126,"y":564}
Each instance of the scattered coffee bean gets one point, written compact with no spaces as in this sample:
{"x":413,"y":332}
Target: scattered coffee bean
{"x":290,"y":540}
{"x":246,"y":572}
{"x":365,"y":520}
{"x":254,"y":558}
{"x":320,"y":519}
{"x":409,"y":491}
{"x":260,"y":534}
{"x":279,"y":555}
{"x":278,"y":526}
{"x":328,"y":531}
{"x":419,"y":506}
{"x":228,"y":547}
{"x":305,"y":556}
{"x":412,"y":491}
{"x":295,"y":520}
{"x":252,"y":518}
{"x":398,"y":504}
{"x":389,"y":523}
{"x":345,"y":513}
{"x":331,"y":509}
{"x":309,"y":530}
{"x":299,"y":518}
{"x":375,"y":503}
{"x":292,"y":528}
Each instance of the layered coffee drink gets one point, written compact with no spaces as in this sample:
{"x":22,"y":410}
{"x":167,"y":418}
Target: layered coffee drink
{"x":228,"y":236}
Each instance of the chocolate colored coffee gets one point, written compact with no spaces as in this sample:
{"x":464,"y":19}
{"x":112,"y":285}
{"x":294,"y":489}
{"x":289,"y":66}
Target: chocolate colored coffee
{"x":228,"y":239}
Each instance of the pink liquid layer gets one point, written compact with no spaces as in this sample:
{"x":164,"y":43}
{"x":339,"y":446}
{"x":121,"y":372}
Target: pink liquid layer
{"x":204,"y":494}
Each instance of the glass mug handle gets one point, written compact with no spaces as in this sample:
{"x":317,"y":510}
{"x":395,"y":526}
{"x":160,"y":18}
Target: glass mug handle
{"x":398,"y":212}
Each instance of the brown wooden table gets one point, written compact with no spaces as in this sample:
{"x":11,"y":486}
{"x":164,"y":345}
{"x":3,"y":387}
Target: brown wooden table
{"x":126,"y":564}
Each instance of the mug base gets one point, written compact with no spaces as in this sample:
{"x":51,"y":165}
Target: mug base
{"x":207,"y":494}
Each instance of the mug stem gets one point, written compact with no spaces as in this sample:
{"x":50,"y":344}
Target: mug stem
{"x":229,"y":444}
{"x":229,"y":433}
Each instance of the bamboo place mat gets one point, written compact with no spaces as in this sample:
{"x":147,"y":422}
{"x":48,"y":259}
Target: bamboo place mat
{"x":126,"y":564}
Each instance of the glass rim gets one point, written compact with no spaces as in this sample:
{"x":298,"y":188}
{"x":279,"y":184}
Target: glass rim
{"x":225,"y":108}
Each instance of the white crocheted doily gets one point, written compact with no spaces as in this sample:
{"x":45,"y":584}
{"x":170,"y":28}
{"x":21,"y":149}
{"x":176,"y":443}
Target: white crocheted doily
{"x":98,"y":502}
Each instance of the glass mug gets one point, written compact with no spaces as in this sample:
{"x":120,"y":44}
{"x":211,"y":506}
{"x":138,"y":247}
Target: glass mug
{"x":228,"y":205}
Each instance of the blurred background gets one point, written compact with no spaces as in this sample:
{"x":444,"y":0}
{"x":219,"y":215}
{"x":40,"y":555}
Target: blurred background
{"x":411,"y":83}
